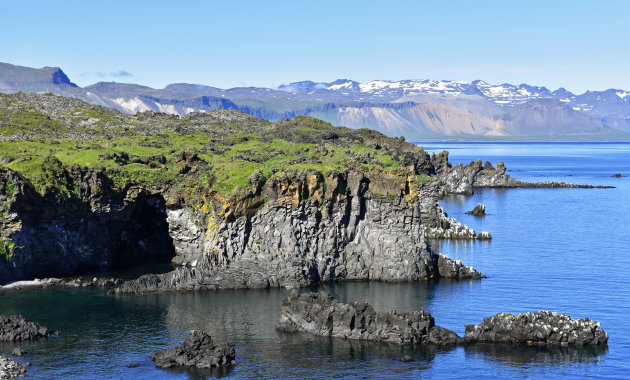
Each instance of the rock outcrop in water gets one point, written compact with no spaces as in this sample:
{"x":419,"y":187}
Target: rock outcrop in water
{"x":479,"y":210}
{"x":541,"y":327}
{"x":10,"y":369}
{"x":320,"y":314}
{"x":199,"y":351}
{"x":463,"y":179}
{"x":15,"y":328}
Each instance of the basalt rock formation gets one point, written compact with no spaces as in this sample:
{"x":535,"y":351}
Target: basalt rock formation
{"x":463,"y":179}
{"x":198,"y":350}
{"x":15,"y":328}
{"x":311,"y":229}
{"x":320,"y":314}
{"x":541,"y":327}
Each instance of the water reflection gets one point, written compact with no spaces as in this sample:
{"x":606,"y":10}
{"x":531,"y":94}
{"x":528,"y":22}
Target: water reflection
{"x":539,"y":355}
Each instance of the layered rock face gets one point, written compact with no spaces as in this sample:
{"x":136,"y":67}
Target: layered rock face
{"x":309,"y":229}
{"x":16,"y":328}
{"x":320,"y":314}
{"x":541,"y":327}
{"x":198,"y":350}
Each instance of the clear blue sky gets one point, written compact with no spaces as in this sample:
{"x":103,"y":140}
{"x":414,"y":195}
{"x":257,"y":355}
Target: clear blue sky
{"x":576,"y":44}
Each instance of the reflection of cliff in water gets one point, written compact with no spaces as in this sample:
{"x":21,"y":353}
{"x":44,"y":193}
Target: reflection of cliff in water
{"x":538,"y":355}
{"x":307,"y":351}
{"x":385,"y":297}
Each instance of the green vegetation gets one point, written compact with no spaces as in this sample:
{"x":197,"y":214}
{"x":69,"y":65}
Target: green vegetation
{"x":48,"y":138}
{"x":6,"y":249}
{"x":423,"y":178}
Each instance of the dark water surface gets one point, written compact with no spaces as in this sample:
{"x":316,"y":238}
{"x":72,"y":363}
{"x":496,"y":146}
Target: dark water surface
{"x":565,"y":250}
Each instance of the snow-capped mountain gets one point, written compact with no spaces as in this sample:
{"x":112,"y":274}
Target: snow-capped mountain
{"x":416,"y":109}
{"x":385,"y":90}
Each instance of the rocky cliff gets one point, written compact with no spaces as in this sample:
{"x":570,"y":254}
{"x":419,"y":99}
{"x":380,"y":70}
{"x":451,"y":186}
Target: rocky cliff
{"x":310,"y":228}
{"x":234,"y":201}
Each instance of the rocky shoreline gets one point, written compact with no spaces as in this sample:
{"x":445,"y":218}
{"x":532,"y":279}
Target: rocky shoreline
{"x":320,"y":314}
{"x":76,"y":282}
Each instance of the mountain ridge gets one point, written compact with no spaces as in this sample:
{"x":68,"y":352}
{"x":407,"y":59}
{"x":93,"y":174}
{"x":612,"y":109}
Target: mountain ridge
{"x":415,"y":109}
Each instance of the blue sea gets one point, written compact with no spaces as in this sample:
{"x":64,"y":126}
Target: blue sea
{"x":565,"y":250}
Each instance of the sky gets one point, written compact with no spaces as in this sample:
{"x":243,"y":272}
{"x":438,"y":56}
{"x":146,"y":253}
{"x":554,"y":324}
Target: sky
{"x":578,"y":45}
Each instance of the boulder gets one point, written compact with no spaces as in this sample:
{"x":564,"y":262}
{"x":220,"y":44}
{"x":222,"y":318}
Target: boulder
{"x":479,"y":210}
{"x":16,"y":328}
{"x":541,"y":327}
{"x":197,"y":351}
{"x":320,"y":314}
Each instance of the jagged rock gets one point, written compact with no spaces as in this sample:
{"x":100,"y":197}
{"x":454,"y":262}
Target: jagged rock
{"x":479,"y":210}
{"x":541,"y":327}
{"x":198,"y":350}
{"x":320,"y":314}
{"x":618,"y":175}
{"x":9,"y":369}
{"x":16,"y":328}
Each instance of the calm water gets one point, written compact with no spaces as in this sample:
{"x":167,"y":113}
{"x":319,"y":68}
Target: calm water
{"x":563,"y":249}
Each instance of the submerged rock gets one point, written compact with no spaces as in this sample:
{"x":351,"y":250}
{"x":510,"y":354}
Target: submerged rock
{"x":320,"y":314}
{"x":17,"y":351}
{"x":541,"y":327}
{"x":10,"y":369}
{"x":197,"y":351}
{"x":16,"y":328}
{"x":479,"y":210}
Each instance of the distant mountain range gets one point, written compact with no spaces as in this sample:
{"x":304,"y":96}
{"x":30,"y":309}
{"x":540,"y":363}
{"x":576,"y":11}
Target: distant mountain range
{"x":420,"y":110}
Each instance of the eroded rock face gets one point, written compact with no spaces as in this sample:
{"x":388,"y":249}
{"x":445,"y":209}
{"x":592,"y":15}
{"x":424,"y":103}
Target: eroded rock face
{"x":15,"y":328}
{"x":320,"y":314}
{"x":343,"y":233}
{"x":541,"y":327}
{"x":198,"y":350}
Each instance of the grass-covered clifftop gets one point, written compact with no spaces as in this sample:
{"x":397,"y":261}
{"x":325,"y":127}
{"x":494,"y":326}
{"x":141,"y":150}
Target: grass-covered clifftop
{"x":46,"y":138}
